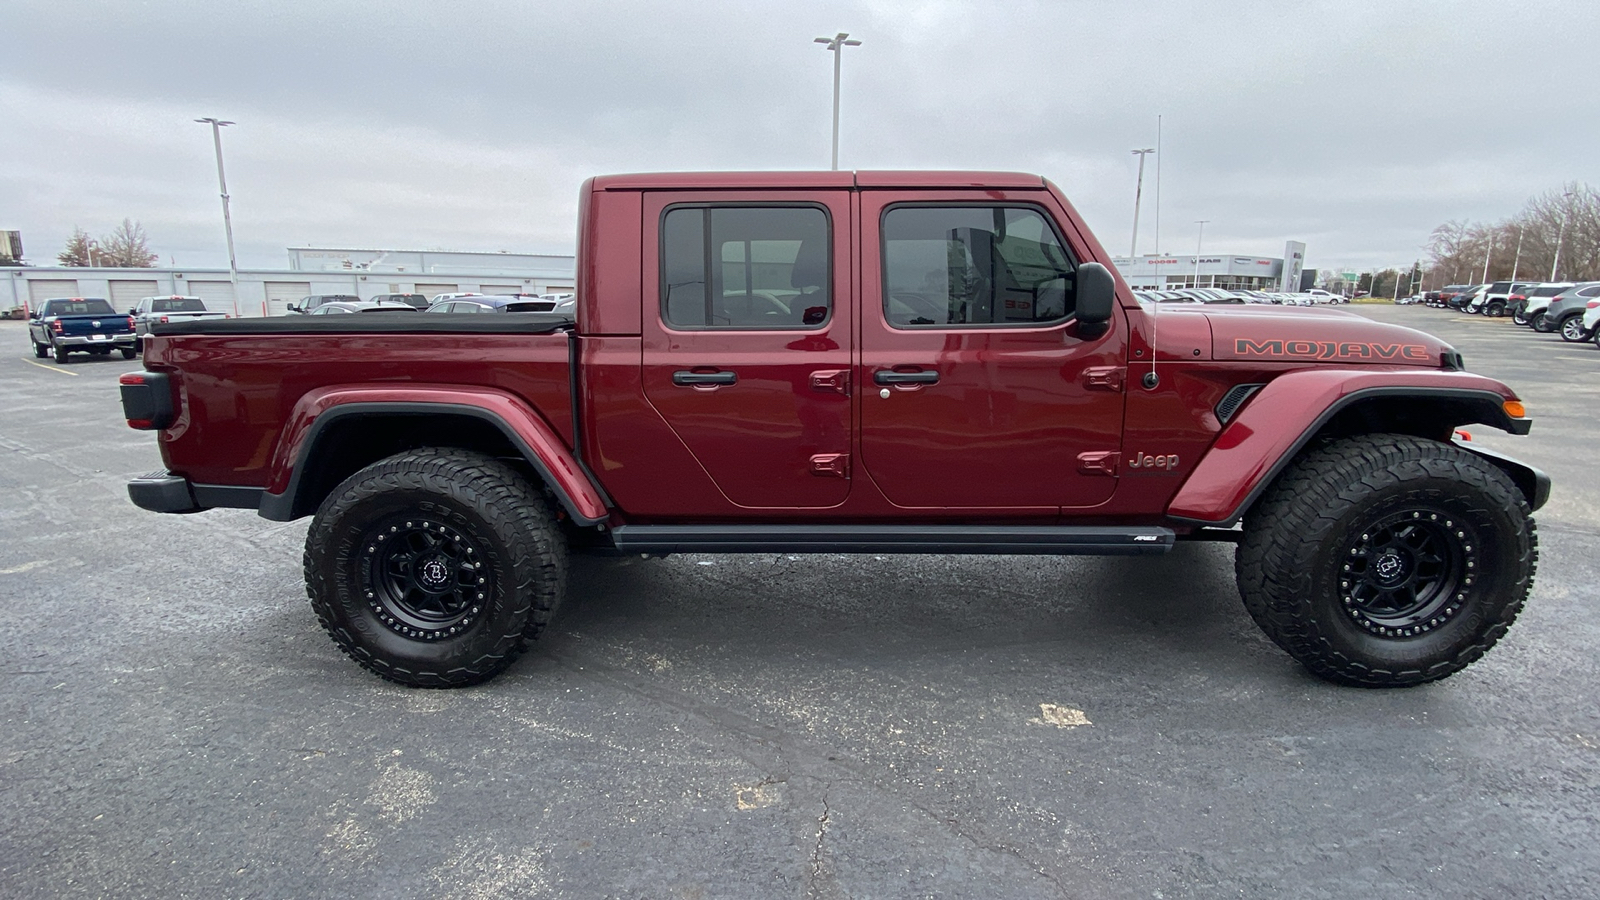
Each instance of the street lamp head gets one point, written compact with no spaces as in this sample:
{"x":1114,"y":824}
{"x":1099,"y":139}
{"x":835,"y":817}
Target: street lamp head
{"x":218,"y":122}
{"x":1145,"y":150}
{"x":835,"y":42}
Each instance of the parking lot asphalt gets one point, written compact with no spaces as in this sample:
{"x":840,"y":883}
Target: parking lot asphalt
{"x":175,"y":724}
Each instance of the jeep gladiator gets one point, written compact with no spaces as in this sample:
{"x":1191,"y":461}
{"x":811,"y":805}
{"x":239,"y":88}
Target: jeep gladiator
{"x":883,"y":362}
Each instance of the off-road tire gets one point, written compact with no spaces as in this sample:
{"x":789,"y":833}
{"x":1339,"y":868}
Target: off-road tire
{"x":481,"y":521}
{"x":1571,"y":329}
{"x":1306,"y":559}
{"x":59,"y":351}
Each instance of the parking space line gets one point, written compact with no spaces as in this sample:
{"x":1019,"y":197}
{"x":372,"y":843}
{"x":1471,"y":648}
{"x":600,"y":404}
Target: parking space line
{"x":49,"y":368}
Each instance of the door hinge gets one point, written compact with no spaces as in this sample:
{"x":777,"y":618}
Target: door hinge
{"x":831,"y":381}
{"x":1098,"y":462}
{"x":831,"y":465}
{"x":1103,"y":378}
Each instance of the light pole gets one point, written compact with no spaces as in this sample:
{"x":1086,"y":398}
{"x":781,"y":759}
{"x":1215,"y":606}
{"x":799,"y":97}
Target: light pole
{"x":1138,"y":194}
{"x":837,"y":45}
{"x":1198,"y":241}
{"x":1566,"y":211}
{"x":227,"y":218}
{"x":1486,"y":254}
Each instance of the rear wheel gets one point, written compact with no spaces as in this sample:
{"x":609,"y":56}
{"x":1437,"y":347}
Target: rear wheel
{"x":434,"y":568}
{"x":1496,"y":309}
{"x":1387,"y":560}
{"x":1517,"y":316}
{"x":129,"y":352}
{"x":1571,"y":329}
{"x":1541,"y":324}
{"x":59,"y":350}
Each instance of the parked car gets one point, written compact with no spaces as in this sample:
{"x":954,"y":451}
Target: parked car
{"x":495,"y":303}
{"x":340,"y":307}
{"x":452,"y":296}
{"x":1441,"y":298}
{"x":1564,"y":315}
{"x":62,"y":325}
{"x":160,"y":310}
{"x":1591,"y":320}
{"x":415,"y":301}
{"x":1497,"y":297}
{"x":307,"y":304}
{"x":704,"y":407}
{"x":1538,"y":302}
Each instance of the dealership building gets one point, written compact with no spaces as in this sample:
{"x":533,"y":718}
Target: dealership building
{"x":1229,"y":271}
{"x":312,"y":270}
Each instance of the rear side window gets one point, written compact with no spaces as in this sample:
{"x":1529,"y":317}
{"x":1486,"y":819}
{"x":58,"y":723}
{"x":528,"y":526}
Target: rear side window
{"x":181,"y":304}
{"x":974,"y":266}
{"x":765,"y":267}
{"x":1590,"y":291}
{"x":90,"y":307}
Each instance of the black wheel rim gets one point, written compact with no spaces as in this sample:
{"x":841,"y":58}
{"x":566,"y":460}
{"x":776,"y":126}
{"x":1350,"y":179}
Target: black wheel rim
{"x":1408,"y":573}
{"x":423,"y":579}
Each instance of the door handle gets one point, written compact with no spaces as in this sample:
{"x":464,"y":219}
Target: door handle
{"x":686,"y":378}
{"x":889,"y":376}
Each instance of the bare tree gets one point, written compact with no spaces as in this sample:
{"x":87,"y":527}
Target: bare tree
{"x":128,"y":247}
{"x":76,"y":253}
{"x":1526,"y":243}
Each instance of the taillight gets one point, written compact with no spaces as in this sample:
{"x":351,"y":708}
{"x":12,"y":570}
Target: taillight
{"x":56,"y":327}
{"x":146,"y":400}
{"x":1516,"y":297}
{"x":130,"y":323}
{"x":164,"y":320}
{"x":1592,"y":304}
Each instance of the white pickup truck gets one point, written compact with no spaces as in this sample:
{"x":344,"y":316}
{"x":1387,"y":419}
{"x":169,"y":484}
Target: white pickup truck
{"x":160,"y":310}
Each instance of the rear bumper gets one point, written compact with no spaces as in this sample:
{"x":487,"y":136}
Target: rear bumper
{"x":83,"y":340}
{"x":165,"y":492}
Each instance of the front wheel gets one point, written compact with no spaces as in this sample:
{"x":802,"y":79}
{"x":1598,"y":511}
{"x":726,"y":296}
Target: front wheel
{"x":1387,"y":560}
{"x":434,"y":568}
{"x":40,"y":351}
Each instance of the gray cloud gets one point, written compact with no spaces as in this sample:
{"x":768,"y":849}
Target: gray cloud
{"x":1356,"y":127}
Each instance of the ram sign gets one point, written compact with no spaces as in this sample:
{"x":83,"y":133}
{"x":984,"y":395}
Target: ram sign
{"x":1294,"y":259}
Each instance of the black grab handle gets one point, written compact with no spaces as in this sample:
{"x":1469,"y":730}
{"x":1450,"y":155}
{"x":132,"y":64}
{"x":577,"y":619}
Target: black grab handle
{"x":889,"y":376}
{"x":687,"y":378}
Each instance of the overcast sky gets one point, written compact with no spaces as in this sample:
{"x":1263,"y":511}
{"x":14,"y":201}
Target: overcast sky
{"x":1355,"y":127}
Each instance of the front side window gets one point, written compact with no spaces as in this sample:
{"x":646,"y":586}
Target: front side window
{"x":745,"y":267}
{"x":974,"y":265}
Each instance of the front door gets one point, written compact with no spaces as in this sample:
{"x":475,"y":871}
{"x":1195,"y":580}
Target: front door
{"x":747,"y":339}
{"x":977,"y":391}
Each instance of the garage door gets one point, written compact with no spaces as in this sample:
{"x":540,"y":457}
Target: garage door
{"x":499,"y":288}
{"x":218,"y":295}
{"x":282,"y":293}
{"x":127,"y":294}
{"x":431,"y":290}
{"x":40,"y":291}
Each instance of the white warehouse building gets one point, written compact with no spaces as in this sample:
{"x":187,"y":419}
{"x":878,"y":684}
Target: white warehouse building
{"x":267,"y":292}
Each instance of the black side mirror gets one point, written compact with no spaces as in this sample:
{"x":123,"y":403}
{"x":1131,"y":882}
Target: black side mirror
{"x":1097,"y":296}
{"x":291,"y":307}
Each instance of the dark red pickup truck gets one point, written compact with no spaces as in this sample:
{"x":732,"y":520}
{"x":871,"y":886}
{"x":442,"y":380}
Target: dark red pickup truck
{"x":884,"y":362}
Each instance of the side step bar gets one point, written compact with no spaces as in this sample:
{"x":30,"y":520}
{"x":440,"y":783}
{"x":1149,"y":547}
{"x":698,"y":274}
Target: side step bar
{"x":1042,"y":539}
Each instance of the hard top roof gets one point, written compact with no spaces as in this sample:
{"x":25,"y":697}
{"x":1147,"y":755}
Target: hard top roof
{"x":814,"y":180}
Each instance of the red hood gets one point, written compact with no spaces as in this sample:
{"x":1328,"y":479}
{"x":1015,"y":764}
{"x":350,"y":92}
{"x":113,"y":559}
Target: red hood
{"x":1311,"y":334}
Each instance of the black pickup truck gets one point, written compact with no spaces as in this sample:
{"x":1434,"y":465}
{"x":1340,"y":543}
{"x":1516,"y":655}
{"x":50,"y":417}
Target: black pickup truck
{"x":64,"y":324}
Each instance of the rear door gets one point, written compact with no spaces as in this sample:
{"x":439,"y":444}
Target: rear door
{"x":747,"y":325}
{"x":977,"y":391}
